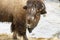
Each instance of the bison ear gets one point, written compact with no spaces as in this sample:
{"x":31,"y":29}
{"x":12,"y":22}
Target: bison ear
{"x":25,"y":7}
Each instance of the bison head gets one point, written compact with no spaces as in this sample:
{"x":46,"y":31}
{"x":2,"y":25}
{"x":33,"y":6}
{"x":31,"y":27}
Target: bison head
{"x":34,"y":10}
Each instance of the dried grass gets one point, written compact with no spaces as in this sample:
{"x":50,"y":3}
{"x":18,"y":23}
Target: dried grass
{"x":9,"y":37}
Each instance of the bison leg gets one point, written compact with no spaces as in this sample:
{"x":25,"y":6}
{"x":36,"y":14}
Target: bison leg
{"x":14,"y":35}
{"x":14,"y":32}
{"x":12,"y":27}
{"x":25,"y":37}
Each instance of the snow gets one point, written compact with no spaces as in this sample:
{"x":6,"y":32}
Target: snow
{"x":46,"y":27}
{"x":5,"y":28}
{"x":49,"y":25}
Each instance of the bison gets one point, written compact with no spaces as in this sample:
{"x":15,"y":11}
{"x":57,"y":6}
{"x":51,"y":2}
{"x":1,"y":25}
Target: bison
{"x":22,"y":13}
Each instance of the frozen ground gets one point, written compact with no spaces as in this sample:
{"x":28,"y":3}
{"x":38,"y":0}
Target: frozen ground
{"x":46,"y":27}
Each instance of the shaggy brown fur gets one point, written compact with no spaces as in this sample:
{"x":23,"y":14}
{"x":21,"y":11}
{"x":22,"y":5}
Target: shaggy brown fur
{"x":12,"y":11}
{"x":39,"y":7}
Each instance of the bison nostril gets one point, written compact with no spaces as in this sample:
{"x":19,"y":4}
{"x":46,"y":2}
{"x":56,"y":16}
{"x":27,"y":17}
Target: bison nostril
{"x":28,"y":21}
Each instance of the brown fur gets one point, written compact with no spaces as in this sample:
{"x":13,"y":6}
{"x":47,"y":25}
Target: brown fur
{"x":39,"y":9}
{"x":12,"y":11}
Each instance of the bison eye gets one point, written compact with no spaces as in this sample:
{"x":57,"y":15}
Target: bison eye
{"x":25,"y":7}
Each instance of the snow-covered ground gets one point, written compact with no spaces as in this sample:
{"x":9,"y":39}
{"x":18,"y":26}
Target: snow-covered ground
{"x":5,"y":28}
{"x":46,"y":27}
{"x":50,"y":24}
